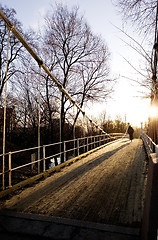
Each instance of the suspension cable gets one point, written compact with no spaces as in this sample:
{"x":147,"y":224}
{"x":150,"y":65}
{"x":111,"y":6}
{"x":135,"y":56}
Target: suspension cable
{"x":40,"y":62}
{"x":5,"y":103}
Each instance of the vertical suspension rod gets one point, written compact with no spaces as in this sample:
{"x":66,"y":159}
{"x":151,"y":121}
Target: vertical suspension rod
{"x":39,"y":117}
{"x":4,"y":115}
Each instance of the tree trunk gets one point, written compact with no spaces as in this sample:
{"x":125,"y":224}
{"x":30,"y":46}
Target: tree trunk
{"x":77,"y":114}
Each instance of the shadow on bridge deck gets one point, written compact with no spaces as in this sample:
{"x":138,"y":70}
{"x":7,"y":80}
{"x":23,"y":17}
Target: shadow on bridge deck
{"x":32,"y":227}
{"x":106,"y":187}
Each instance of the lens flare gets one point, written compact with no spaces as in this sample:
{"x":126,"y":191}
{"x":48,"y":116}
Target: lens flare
{"x":153,"y":111}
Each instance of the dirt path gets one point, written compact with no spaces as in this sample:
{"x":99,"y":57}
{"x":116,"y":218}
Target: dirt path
{"x":105,"y":187}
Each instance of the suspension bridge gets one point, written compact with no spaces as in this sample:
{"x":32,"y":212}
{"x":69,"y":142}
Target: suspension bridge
{"x":105,"y":188}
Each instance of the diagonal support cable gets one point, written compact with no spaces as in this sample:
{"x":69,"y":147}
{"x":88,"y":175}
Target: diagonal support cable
{"x":42,"y":65}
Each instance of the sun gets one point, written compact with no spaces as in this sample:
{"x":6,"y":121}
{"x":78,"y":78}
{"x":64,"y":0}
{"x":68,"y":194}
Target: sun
{"x":153,"y":111}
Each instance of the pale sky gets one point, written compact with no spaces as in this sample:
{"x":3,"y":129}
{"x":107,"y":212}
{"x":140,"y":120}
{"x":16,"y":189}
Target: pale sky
{"x":102,"y":16}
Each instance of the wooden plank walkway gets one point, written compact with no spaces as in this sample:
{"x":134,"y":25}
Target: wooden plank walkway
{"x":105,"y":187}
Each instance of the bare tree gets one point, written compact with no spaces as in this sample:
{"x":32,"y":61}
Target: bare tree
{"x":80,"y":57}
{"x":142,"y":14}
{"x":14,"y":50}
{"x":93,"y":83}
{"x":144,"y":17}
{"x":50,"y":93}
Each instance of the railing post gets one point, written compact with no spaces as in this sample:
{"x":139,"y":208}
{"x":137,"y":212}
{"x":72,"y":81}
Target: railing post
{"x":44,"y":160}
{"x":84,"y":142}
{"x":10,"y":170}
{"x":33,"y":159}
{"x":153,"y":147}
{"x":64,"y":151}
{"x":141,"y":129}
{"x":87,"y":145}
{"x":60,"y":151}
{"x":78,"y":147}
{"x":38,"y":160}
{"x":74,"y":147}
{"x":156,"y":151}
{"x":3,"y":175}
{"x":148,"y":142}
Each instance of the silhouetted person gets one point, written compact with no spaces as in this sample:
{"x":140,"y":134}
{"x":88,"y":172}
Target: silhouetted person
{"x":130,"y":132}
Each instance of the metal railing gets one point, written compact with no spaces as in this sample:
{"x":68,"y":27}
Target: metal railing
{"x":150,"y":146}
{"x":23,"y":164}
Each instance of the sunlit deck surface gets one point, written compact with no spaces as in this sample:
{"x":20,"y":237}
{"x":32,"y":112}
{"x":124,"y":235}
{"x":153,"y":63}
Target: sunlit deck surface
{"x":105,"y":187}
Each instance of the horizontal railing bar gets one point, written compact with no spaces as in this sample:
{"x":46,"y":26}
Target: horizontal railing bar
{"x":27,"y":164}
{"x":91,"y":137}
{"x":83,"y":146}
{"x":22,"y":166}
{"x":52,"y":144}
{"x":149,"y":143}
{"x":54,"y":155}
{"x":150,"y":139}
{"x":71,"y":140}
{"x":5,"y":172}
{"x":5,"y":154}
{"x":24,"y":150}
{"x":69,"y":150}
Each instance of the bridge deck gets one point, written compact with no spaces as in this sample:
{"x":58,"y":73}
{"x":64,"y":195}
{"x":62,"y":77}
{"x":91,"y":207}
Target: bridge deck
{"x":105,"y":187}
